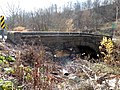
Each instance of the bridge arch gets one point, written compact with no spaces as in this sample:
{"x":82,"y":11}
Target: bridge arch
{"x":89,"y":49}
{"x":93,"y":46}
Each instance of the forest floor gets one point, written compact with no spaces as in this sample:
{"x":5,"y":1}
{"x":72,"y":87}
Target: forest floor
{"x":34,"y":68}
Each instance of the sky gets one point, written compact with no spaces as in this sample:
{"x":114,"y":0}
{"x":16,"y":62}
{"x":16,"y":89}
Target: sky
{"x":30,"y":5}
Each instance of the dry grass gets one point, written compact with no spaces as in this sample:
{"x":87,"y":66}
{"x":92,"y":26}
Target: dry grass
{"x":36,"y":70}
{"x":20,"y":28}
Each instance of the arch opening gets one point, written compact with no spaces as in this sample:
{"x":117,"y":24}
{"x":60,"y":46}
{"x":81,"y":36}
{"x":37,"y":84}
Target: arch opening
{"x":87,"y":52}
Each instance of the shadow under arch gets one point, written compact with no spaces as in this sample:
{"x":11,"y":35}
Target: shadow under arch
{"x":86,"y":52}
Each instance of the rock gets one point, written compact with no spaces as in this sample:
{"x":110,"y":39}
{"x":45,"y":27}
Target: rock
{"x":72,"y":76}
{"x":65,"y":72}
{"x":113,"y":83}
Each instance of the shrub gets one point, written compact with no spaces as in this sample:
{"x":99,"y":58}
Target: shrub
{"x":106,"y":49}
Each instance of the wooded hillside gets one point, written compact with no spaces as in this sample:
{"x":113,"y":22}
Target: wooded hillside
{"x":71,"y":17}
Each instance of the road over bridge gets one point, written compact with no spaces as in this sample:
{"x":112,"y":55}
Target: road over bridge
{"x":59,"y":40}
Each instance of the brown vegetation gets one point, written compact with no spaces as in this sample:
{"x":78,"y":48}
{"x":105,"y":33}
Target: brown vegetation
{"x":72,"y":17}
{"x":35,"y":69}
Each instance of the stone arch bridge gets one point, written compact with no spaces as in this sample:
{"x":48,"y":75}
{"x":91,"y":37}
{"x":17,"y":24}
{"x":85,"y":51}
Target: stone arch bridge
{"x":59,"y":40}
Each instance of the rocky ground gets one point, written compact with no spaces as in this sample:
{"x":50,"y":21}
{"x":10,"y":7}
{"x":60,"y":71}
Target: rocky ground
{"x":34,"y":68}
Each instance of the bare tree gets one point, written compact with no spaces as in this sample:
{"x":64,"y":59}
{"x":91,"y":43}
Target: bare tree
{"x":89,"y":14}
